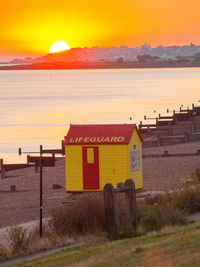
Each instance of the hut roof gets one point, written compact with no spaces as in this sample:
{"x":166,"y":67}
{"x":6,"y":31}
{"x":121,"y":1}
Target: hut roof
{"x":100,"y":134}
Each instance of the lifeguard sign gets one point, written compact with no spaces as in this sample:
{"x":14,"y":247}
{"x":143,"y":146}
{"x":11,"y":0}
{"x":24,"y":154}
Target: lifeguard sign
{"x":101,"y":154}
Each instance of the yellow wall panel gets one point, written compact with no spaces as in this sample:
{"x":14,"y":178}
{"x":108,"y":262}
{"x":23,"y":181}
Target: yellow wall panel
{"x":73,"y":168}
{"x":112,"y":164}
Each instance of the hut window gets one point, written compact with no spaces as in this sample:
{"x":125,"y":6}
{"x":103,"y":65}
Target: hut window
{"x":135,"y":160}
{"x":90,"y":155}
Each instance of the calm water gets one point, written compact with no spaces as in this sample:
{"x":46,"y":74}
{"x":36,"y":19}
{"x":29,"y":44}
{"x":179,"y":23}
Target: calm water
{"x":36,"y":107}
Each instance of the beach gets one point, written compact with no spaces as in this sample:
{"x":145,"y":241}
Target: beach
{"x":159,"y":174}
{"x":167,"y":174}
{"x":23,"y":205}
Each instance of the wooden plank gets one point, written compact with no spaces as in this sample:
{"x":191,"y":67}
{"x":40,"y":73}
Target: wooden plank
{"x":111,"y":208}
{"x":122,"y":189}
{"x":52,"y":151}
{"x":131,"y":203}
{"x":170,"y":155}
{"x":165,"y":117}
{"x":11,"y":167}
{"x":2,"y":169}
{"x":147,"y":125}
{"x":46,"y":161}
{"x":164,"y":122}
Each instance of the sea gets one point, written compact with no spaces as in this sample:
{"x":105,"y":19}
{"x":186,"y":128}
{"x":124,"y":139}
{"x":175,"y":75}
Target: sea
{"x":37,"y":107}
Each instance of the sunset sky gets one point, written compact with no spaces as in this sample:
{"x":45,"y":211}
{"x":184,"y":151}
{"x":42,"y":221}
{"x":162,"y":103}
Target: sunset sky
{"x":30,"y":27}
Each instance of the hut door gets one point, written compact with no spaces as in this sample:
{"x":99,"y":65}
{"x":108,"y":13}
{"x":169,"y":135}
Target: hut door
{"x":90,"y":167}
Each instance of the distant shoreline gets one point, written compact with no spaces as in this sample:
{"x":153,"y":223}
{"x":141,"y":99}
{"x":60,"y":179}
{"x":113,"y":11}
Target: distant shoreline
{"x":98,"y":65}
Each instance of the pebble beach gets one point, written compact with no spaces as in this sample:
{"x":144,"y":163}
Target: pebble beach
{"x":159,"y":174}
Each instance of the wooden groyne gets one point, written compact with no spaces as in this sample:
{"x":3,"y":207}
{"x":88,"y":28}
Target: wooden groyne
{"x":10,"y":167}
{"x":15,"y":166}
{"x":181,"y":127}
{"x":166,"y":154}
{"x":60,"y":151}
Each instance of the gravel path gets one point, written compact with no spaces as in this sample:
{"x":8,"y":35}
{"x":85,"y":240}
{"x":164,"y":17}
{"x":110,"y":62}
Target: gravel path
{"x":37,"y":255}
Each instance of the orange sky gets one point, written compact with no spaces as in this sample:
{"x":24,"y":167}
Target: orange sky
{"x":30,"y":27}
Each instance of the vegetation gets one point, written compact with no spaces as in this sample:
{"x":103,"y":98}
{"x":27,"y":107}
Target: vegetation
{"x":196,"y":177}
{"x":20,"y":239}
{"x":3,"y":252}
{"x":84,"y":217}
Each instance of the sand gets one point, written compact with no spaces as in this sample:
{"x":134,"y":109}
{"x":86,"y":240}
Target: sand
{"x":23,"y":205}
{"x":170,"y":173}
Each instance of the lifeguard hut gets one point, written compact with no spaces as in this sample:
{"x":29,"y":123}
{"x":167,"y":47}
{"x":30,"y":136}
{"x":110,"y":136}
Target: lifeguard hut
{"x":100,"y":154}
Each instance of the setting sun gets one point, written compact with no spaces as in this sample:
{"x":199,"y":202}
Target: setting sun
{"x":58,"y":46}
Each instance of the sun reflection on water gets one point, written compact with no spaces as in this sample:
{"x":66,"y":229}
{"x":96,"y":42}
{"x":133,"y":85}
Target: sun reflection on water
{"x":42,"y":113}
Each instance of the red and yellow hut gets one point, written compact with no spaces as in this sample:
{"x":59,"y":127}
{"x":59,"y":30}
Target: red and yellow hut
{"x":100,"y":154}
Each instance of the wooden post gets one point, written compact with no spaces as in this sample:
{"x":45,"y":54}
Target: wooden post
{"x":131,"y":203}
{"x":158,"y":140}
{"x":36,"y":169}
{"x":193,"y":125}
{"x":63,"y":147}
{"x":20,"y":151}
{"x":186,"y":136}
{"x":36,"y":166}
{"x":170,"y":128}
{"x":156,"y":121}
{"x":140,"y":125}
{"x":165,"y":154}
{"x":111,"y":209}
{"x":2,"y":169}
{"x":41,"y":204}
{"x":41,"y":150}
{"x":13,"y":188}
{"x":149,"y":131}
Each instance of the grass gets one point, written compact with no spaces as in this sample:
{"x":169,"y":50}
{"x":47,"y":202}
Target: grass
{"x":171,"y":247}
